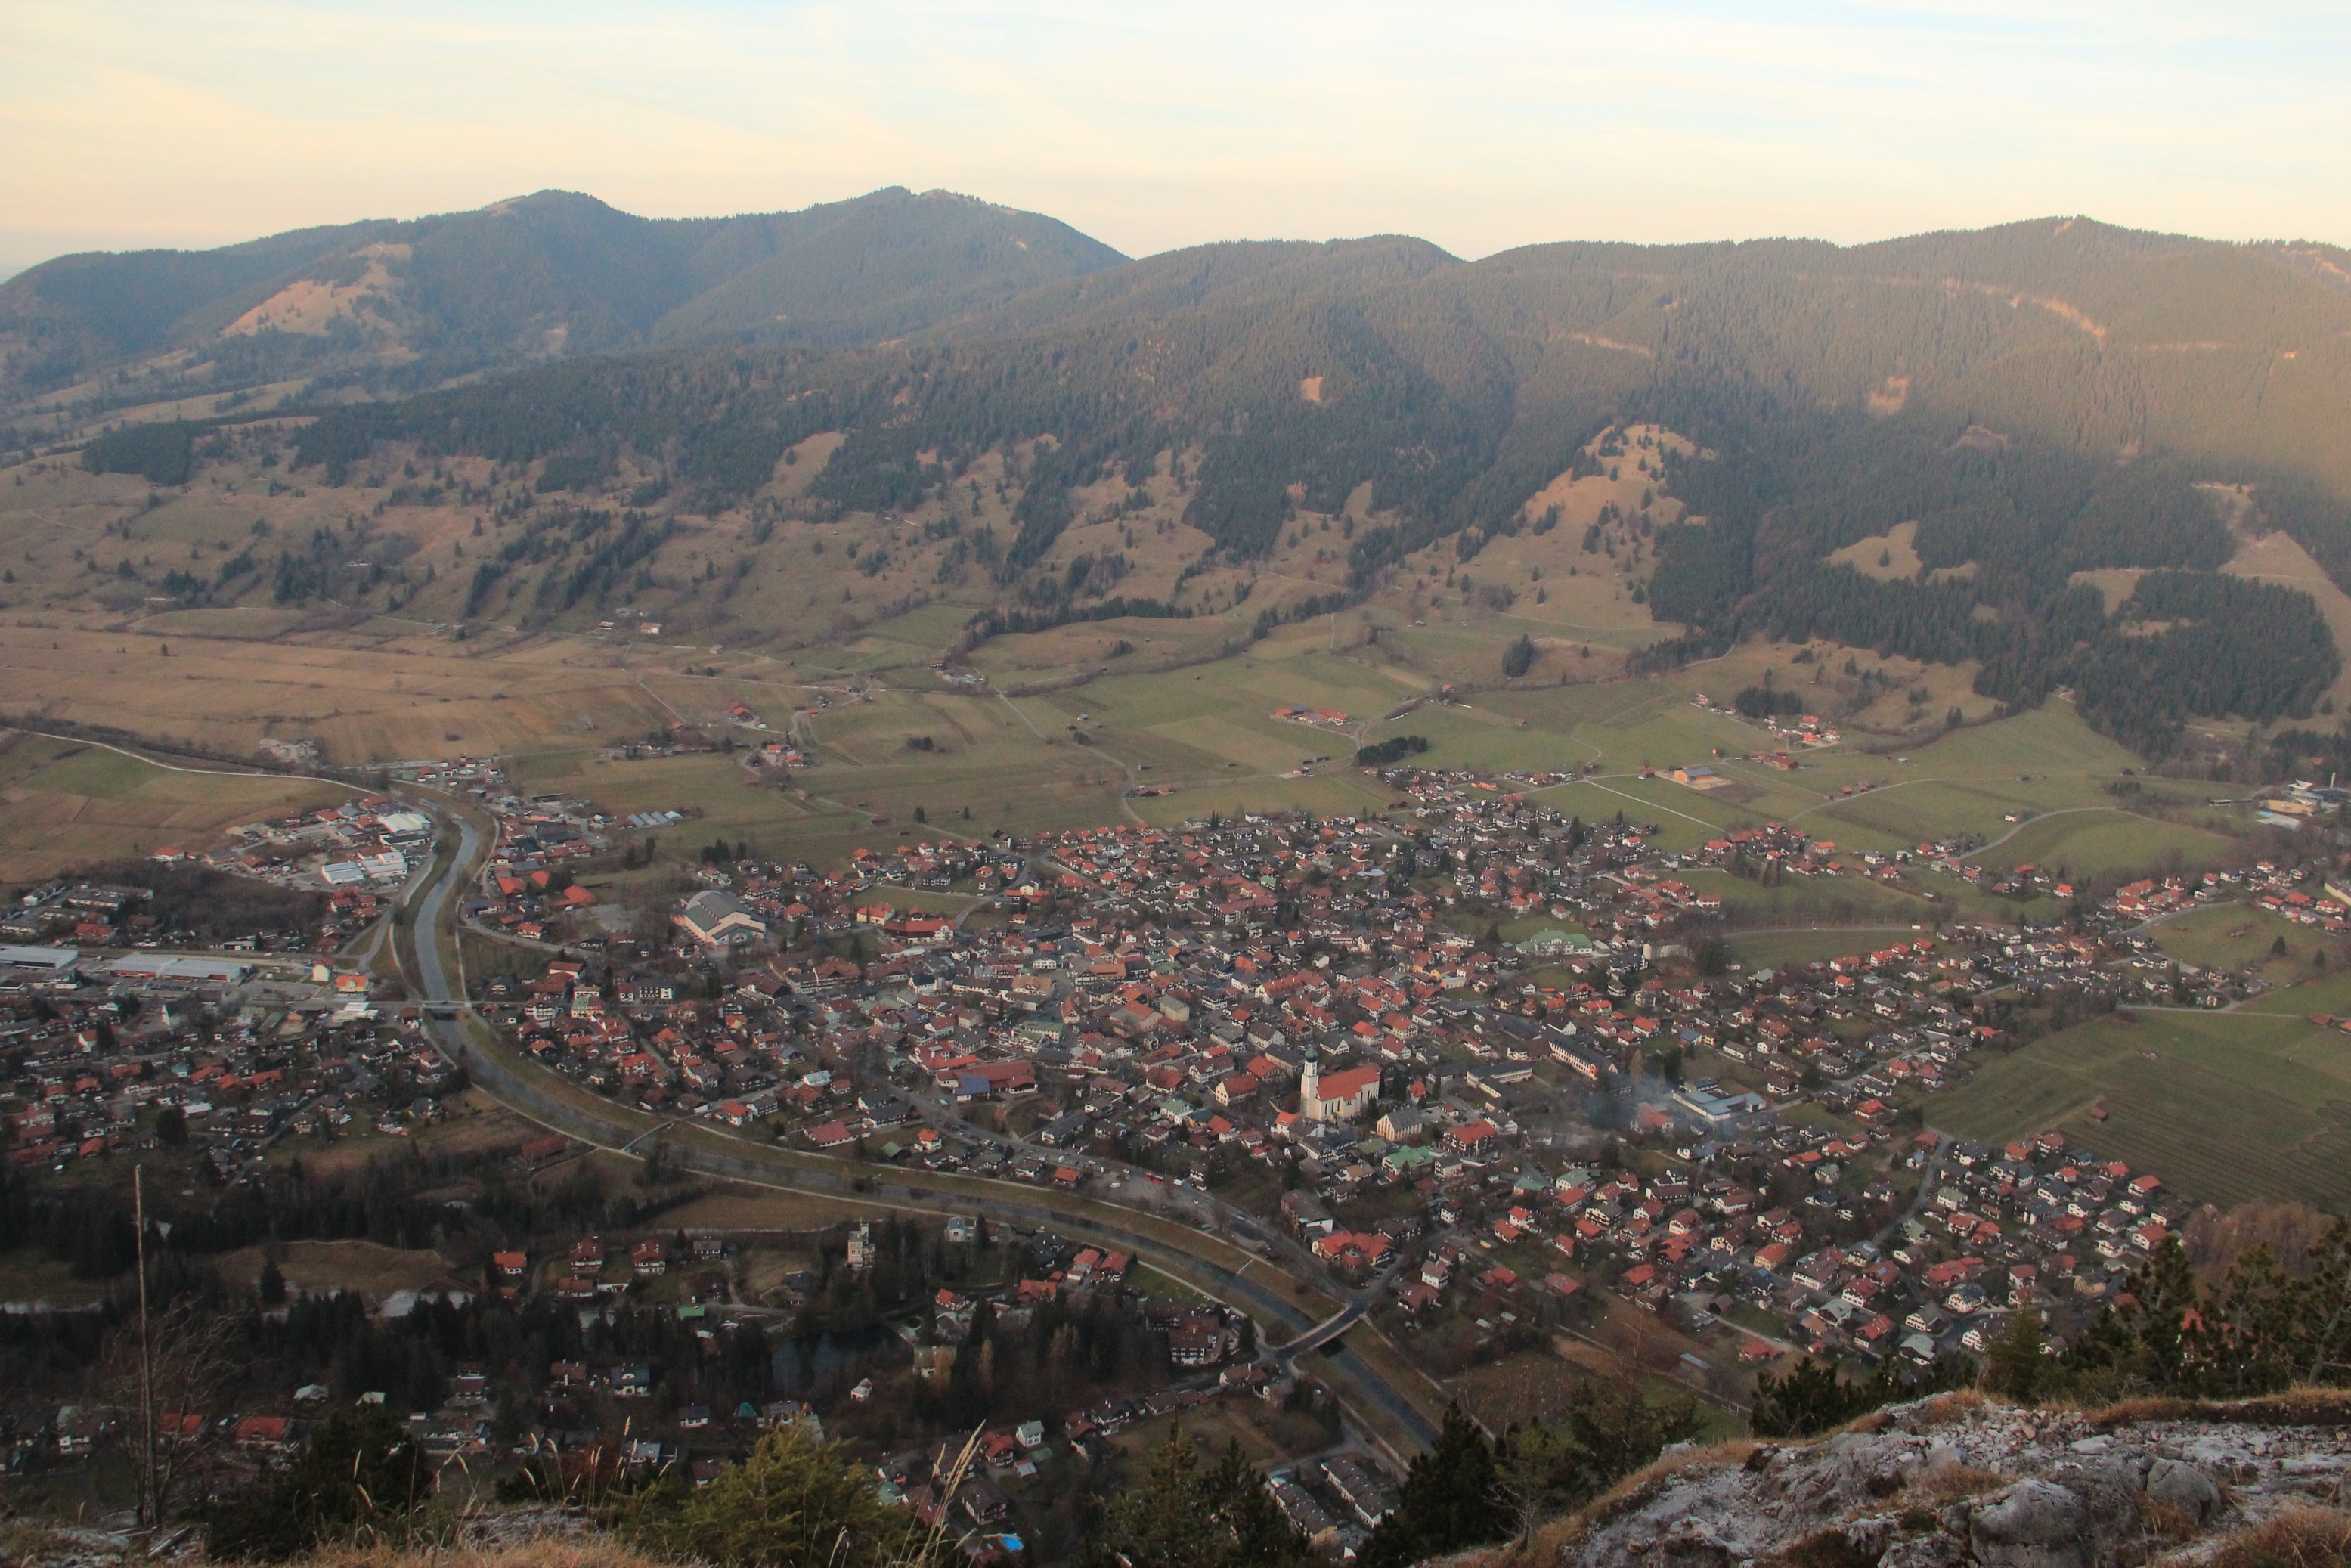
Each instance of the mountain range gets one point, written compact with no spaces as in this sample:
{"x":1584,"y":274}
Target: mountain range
{"x":2038,"y":401}
{"x":418,"y":300}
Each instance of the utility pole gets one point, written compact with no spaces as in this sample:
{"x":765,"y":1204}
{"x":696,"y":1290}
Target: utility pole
{"x":150,"y":1506}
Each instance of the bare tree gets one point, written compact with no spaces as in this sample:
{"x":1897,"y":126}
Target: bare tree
{"x":194,"y":1353}
{"x":184,"y":1358}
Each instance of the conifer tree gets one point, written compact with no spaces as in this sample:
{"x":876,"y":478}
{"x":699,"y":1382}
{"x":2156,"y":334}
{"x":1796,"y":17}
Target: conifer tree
{"x":1452,"y":1498}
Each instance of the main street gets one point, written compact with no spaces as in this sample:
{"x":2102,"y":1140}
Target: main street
{"x":1268,"y":1291}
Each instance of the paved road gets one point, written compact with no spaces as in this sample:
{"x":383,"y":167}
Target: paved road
{"x":2029,"y":821}
{"x":1358,"y":1303}
{"x":524,"y":1088}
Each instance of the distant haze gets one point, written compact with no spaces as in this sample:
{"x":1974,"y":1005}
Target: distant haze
{"x":1480,"y":127}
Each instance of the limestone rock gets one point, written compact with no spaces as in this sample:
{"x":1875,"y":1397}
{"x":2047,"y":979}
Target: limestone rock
{"x":2058,"y":1490}
{"x":2177,"y":1484}
{"x":2032,"y":1524}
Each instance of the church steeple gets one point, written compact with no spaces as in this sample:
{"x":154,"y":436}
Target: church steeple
{"x":1310,"y":1085}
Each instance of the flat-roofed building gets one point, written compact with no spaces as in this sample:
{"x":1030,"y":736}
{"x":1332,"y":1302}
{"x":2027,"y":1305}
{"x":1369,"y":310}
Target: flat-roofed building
{"x":193,"y":971}
{"x":718,"y":919}
{"x":39,"y":960}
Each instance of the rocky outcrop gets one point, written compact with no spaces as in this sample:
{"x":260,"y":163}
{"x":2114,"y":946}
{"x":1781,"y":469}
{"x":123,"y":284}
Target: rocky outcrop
{"x":1955,"y":1480}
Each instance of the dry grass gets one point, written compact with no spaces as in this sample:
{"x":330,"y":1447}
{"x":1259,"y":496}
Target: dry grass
{"x":1553,"y":1540}
{"x":1946,"y":1484}
{"x":2166,"y":1520}
{"x":2138,"y":1412}
{"x":573,"y":1551}
{"x":2299,"y":1537}
{"x":1830,"y":1548}
{"x":2296,"y":1407}
{"x":367,"y":1266}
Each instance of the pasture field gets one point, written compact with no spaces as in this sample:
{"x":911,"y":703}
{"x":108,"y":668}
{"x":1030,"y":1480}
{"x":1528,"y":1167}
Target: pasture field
{"x":1348,"y":794}
{"x":718,"y":795}
{"x":1966,"y":780}
{"x":2322,"y":993}
{"x":367,"y":1266}
{"x":1206,"y":731}
{"x":65,"y":804}
{"x":2229,"y":1106}
{"x":1774,"y":949}
{"x":2086,"y":842}
{"x":364,"y":700}
{"x":2239,"y":937}
{"x":1905,"y":811}
{"x":1030,"y":659}
{"x":850,"y":613}
{"x":1892,"y":556}
{"x":1466,"y":650}
{"x":1814,"y":901}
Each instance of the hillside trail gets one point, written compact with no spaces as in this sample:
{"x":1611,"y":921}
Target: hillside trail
{"x":1125,"y":768}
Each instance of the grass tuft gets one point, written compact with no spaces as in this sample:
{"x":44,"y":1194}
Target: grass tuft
{"x":2299,"y":1537}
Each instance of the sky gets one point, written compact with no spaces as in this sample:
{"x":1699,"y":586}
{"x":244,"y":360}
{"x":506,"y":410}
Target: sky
{"x":132,"y":123}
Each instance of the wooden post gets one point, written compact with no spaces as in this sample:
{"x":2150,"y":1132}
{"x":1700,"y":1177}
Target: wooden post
{"x":150,"y":1506}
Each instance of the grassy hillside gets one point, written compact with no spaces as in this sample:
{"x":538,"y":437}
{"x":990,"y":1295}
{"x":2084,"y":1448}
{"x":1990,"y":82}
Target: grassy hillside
{"x":2232,"y":1107}
{"x":64,"y":804}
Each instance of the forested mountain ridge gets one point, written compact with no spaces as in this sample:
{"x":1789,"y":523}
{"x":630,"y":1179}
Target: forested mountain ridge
{"x":2039,"y":399}
{"x":401,"y":304}
{"x":1458,"y":388}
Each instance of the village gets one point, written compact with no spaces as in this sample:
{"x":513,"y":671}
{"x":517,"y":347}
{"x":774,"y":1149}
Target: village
{"x":1291,"y":1024}
{"x":1288,"y":1029}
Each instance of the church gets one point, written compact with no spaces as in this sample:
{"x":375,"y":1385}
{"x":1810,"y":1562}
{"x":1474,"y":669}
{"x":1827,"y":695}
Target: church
{"x":1338,"y":1096}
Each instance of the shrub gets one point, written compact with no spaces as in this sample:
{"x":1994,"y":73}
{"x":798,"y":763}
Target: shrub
{"x":361,"y":1480}
{"x":795,"y":1501}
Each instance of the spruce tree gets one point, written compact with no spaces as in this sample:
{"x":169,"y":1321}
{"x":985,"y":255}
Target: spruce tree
{"x":2015,"y":1369}
{"x":1452,"y":1498}
{"x":1182,"y":1516}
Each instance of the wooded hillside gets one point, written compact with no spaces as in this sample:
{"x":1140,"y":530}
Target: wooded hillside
{"x":2035,"y":401}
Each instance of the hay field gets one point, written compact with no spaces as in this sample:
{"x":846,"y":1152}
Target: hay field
{"x":2238,"y":937}
{"x":2226,"y":1108}
{"x":365,"y":700}
{"x":367,"y":1266}
{"x":64,"y":804}
{"x":2084,"y":842}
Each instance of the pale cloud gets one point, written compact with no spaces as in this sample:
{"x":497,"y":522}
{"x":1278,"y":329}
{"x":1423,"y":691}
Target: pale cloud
{"x":1478,"y":126}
